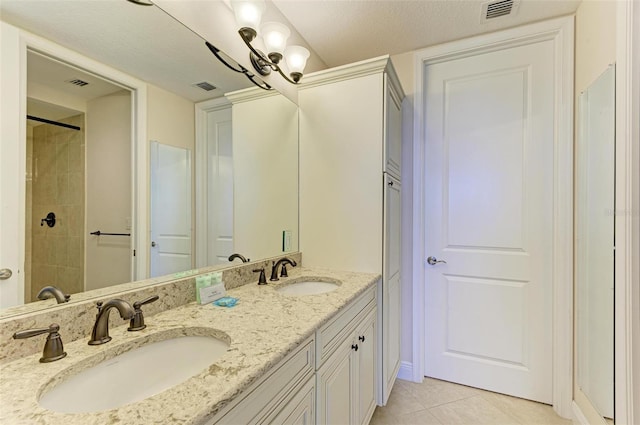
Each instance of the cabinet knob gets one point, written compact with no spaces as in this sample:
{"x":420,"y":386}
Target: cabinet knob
{"x":361,"y":338}
{"x":354,"y":347}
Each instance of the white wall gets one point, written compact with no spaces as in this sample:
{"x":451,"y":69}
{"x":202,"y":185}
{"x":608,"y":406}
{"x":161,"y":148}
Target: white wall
{"x":108,"y":186}
{"x":56,"y":97}
{"x":265,"y":144}
{"x":170,"y":118}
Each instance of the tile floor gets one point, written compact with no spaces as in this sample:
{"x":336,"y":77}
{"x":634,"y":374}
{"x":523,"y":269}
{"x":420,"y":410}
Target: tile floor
{"x":437,"y":402}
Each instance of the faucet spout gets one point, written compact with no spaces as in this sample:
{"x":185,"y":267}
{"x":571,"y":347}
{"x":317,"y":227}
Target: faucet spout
{"x":240,"y":256}
{"x":52,"y":291}
{"x":100,"y":332}
{"x":276,"y":265}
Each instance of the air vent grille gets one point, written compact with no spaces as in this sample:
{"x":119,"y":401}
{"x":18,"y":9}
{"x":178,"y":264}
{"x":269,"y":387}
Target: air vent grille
{"x":77,"y":82}
{"x":205,"y":86}
{"x":497,"y":9}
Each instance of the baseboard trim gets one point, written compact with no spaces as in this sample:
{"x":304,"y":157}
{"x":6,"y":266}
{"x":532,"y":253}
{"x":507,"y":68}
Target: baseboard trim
{"x":406,"y":371}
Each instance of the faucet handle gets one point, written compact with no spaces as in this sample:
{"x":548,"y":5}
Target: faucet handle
{"x":53,"y":348}
{"x":283,"y":271}
{"x":137,"y":322}
{"x":262,"y":280}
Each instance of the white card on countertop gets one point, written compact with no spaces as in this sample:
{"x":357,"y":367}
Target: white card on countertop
{"x":211,"y":293}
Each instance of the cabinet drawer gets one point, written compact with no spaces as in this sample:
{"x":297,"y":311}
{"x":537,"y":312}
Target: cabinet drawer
{"x":340,"y":327}
{"x":272,"y":392}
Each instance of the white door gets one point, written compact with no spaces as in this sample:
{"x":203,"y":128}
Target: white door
{"x":12,"y":170}
{"x":170,"y":209}
{"x":488,"y":213}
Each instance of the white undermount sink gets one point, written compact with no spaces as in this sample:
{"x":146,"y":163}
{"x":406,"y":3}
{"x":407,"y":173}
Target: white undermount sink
{"x":134,"y":375}
{"x":308,"y":287}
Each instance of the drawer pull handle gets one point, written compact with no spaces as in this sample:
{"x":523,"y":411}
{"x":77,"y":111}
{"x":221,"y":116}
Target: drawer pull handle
{"x":361,"y":338}
{"x":354,"y":347}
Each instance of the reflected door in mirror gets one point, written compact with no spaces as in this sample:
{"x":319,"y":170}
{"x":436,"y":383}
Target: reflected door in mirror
{"x":595,"y":243}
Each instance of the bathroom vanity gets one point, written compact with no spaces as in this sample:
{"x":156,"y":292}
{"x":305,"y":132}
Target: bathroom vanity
{"x":306,"y":358}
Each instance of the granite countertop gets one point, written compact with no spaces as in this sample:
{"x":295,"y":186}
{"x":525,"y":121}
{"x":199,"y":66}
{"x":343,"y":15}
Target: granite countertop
{"x":263,"y":328}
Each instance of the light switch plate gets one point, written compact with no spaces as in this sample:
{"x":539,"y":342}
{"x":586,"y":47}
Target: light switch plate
{"x":286,"y":240}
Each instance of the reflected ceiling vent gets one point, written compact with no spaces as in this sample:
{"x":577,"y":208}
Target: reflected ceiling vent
{"x":497,"y":9}
{"x":77,"y":82}
{"x":205,"y":86}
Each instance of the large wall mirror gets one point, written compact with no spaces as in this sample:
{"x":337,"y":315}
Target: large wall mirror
{"x":222,"y":166}
{"x":595,"y":221}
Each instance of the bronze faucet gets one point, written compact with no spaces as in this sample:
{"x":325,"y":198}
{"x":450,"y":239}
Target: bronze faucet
{"x":100,"y":332}
{"x":49,"y":291}
{"x":240,"y":256}
{"x":283,"y":262}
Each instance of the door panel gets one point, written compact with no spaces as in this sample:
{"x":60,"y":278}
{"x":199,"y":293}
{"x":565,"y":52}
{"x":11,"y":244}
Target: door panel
{"x":477,"y":173}
{"x":489,"y":186}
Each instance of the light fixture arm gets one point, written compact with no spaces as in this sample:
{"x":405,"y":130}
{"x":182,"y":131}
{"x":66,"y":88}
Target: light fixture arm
{"x":241,"y":70}
{"x":259,"y":60}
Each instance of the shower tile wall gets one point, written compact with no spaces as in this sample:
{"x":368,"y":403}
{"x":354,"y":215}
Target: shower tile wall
{"x":57,"y":185}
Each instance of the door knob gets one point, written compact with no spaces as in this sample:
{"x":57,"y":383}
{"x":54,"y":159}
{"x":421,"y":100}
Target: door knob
{"x":5,"y":274}
{"x":433,"y":261}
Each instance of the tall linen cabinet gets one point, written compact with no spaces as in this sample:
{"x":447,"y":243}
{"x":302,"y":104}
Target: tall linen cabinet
{"x":350,"y":185}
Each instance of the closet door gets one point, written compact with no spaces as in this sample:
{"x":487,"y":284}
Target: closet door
{"x":392,"y":131}
{"x":390,"y":319}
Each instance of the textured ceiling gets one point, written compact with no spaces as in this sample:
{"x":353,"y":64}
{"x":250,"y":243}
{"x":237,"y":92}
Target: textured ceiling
{"x":342,"y":31}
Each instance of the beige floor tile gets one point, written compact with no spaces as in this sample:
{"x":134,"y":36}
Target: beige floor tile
{"x":433,"y":392}
{"x":421,"y":417}
{"x":471,"y":411}
{"x":401,"y":401}
{"x":525,"y":411}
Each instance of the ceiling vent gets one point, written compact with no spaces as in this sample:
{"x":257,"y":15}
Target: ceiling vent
{"x":205,"y":86}
{"x":496,"y":9}
{"x":77,"y":82}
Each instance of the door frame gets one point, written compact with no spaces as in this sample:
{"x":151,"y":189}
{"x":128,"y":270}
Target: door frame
{"x":561,"y":32}
{"x":21,"y":41}
{"x":627,"y":209}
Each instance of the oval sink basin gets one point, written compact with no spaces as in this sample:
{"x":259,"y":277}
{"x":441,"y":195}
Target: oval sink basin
{"x":134,"y":375}
{"x":308,"y":287}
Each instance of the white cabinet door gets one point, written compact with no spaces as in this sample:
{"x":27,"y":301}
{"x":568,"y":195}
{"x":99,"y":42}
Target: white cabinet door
{"x":334,"y":388}
{"x":392,"y":131}
{"x":389,"y":313}
{"x":366,"y":361}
